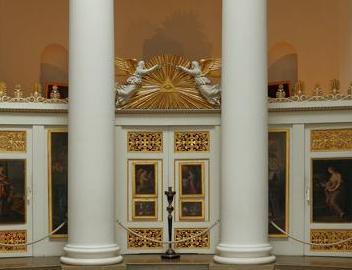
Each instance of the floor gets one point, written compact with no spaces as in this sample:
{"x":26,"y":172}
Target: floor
{"x":194,"y":262}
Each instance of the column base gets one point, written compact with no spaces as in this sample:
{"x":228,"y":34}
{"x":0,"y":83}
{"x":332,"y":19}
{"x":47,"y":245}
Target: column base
{"x":91,"y":255}
{"x":244,"y":254}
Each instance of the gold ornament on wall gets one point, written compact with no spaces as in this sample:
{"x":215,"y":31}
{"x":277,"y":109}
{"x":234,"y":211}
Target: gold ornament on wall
{"x":138,"y":242}
{"x":329,"y":237}
{"x":201,"y":241}
{"x":331,"y":140}
{"x":12,"y":141}
{"x":144,"y":141}
{"x":192,"y":141}
{"x":161,"y":84}
{"x":13,"y":238}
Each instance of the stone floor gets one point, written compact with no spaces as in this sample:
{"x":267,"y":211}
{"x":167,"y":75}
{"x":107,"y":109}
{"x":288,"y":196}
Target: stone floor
{"x":186,"y":262}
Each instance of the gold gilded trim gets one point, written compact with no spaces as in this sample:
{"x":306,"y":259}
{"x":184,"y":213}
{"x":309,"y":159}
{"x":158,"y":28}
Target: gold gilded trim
{"x":13,"y":141}
{"x":13,"y":238}
{"x":144,"y":141}
{"x":331,"y":140}
{"x":192,"y":141}
{"x":202,"y":241}
{"x":136,"y":242}
{"x":329,"y":237}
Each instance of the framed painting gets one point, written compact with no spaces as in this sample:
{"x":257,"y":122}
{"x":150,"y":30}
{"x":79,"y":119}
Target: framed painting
{"x":58,"y":175}
{"x":273,"y":87}
{"x":191,"y":178}
{"x":12,"y":191}
{"x":144,"y":209}
{"x":192,"y":210}
{"x":145,"y":183}
{"x":331,"y":189}
{"x":62,"y":88}
{"x":278,"y":178}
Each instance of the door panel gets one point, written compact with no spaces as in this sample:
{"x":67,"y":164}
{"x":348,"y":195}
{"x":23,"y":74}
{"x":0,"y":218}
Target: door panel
{"x":328,"y":185}
{"x":15,"y":191}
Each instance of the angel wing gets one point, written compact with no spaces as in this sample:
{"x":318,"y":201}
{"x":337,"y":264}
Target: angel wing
{"x":128,"y":66}
{"x":211,"y":67}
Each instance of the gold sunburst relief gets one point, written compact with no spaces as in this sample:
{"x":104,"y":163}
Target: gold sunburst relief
{"x":167,"y":87}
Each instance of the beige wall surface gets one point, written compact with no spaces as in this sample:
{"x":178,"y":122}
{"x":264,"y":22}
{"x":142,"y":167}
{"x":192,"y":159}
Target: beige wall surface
{"x":319,"y":31}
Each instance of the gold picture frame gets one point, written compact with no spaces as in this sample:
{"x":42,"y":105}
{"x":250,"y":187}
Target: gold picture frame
{"x":195,"y":212}
{"x":145,"y":175}
{"x":61,"y":234}
{"x":144,"y":209}
{"x":191,"y":178}
{"x":315,"y":182}
{"x":14,"y":206}
{"x":282,"y":179}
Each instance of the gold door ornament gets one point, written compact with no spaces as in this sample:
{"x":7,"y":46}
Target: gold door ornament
{"x":12,"y":141}
{"x":201,"y":241}
{"x":13,"y":238}
{"x":330,"y":140}
{"x":135,"y":241}
{"x":145,"y":141}
{"x":192,"y":141}
{"x":329,"y":237}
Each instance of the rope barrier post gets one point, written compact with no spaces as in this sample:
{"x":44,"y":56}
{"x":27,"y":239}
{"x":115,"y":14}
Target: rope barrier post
{"x":170,"y":253}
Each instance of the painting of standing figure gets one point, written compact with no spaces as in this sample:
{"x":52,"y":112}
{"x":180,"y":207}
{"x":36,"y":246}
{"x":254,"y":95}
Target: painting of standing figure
{"x":12,"y":191}
{"x":278,"y":171}
{"x":332,"y":182}
{"x":58,"y":174}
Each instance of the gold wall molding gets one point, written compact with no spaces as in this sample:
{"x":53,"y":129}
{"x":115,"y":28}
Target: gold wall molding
{"x":144,"y":141}
{"x":192,"y":141}
{"x":13,"y":238}
{"x":331,"y":140}
{"x":134,"y":241}
{"x":12,"y":141}
{"x":202,"y":241}
{"x":329,"y":237}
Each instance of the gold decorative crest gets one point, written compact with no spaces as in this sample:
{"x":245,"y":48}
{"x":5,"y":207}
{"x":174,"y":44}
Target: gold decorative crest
{"x":12,"y":141}
{"x":168,"y":87}
{"x":145,"y":141}
{"x":331,"y":140}
{"x":13,"y":238}
{"x":138,"y":242}
{"x":192,"y":141}
{"x":201,"y":241}
{"x":329,"y":237}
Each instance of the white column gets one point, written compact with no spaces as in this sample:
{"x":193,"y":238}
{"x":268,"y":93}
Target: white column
{"x":244,"y":186}
{"x":91,"y":222}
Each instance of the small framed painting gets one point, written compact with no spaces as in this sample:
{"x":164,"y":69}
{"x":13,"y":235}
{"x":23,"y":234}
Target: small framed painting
{"x":191,"y":178}
{"x":145,"y":183}
{"x":278,"y":177}
{"x":192,"y":210}
{"x":58,"y":180}
{"x":331,"y":188}
{"x":12,"y":191}
{"x":144,"y":209}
